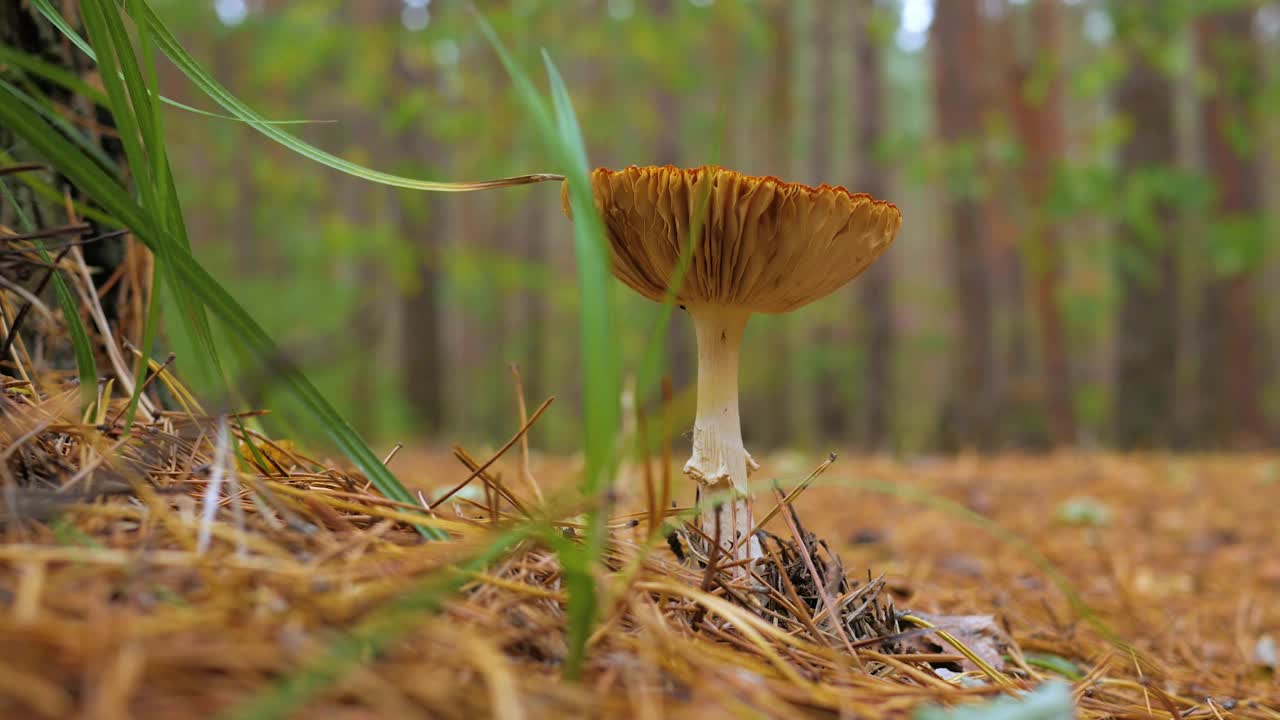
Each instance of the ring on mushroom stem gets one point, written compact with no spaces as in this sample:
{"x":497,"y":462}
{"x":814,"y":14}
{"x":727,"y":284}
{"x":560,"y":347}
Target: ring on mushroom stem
{"x":760,"y":245}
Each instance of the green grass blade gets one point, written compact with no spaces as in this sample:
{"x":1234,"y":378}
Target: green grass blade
{"x":601,"y":376}
{"x":71,"y":161}
{"x":52,"y":73}
{"x":86,"y":367}
{"x":602,"y":381}
{"x":53,"y":16}
{"x":47,"y":191}
{"x":132,"y":111}
{"x":107,"y":192}
{"x":126,"y":120}
{"x":57,"y":75}
{"x":45,"y":109}
{"x":170,"y":46}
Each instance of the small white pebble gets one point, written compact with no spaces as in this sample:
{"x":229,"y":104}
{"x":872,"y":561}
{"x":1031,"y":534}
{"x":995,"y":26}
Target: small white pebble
{"x":1265,"y":652}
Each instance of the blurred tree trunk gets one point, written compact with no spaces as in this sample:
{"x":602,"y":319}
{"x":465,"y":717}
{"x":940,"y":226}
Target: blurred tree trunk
{"x":770,"y":408}
{"x":533,"y":315}
{"x":829,"y":401}
{"x":422,"y":224}
{"x":1019,"y":409}
{"x":875,"y":288}
{"x":1038,"y":118}
{"x":1146,"y":256}
{"x":681,"y":354}
{"x":360,"y":202}
{"x":967,"y":414}
{"x":1229,"y":381}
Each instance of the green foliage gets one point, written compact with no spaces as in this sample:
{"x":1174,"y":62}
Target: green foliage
{"x":1146,"y":198}
{"x":259,"y":211}
{"x":1051,"y":701}
{"x":1236,"y":243}
{"x":1055,"y":663}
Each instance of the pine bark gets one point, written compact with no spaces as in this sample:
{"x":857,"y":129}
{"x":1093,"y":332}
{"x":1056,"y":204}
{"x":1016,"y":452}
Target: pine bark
{"x":875,"y":287}
{"x":1146,"y":265}
{"x":1039,"y":124}
{"x":967,"y":419}
{"x":1229,"y":381}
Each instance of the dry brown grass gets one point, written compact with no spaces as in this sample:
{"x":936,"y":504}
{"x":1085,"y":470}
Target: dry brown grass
{"x":196,"y":568}
{"x":109,"y":607}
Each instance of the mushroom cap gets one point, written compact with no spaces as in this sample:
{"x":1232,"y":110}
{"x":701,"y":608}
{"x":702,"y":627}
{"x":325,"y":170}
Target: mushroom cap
{"x":766,"y":245}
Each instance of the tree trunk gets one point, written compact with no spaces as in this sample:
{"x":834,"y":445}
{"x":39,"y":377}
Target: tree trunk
{"x":829,"y":400}
{"x":533,"y":312}
{"x":681,"y":352}
{"x":1229,"y":381}
{"x":1146,"y":257}
{"x":875,"y":287}
{"x":967,"y":414}
{"x":422,"y":226}
{"x":1038,"y":120}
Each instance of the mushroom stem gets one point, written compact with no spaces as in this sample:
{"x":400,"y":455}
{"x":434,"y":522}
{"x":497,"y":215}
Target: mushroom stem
{"x":720,"y":462}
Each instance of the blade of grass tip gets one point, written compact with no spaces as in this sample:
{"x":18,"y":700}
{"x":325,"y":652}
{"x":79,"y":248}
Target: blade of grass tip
{"x":86,"y":367}
{"x":55,"y":18}
{"x":107,"y":192}
{"x":170,"y":46}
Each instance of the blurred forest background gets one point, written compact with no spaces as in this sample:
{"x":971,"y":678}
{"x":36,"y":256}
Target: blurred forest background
{"x":1089,"y":192}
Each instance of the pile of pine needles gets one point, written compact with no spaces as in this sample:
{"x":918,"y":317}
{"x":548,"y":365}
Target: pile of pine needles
{"x":190,"y":565}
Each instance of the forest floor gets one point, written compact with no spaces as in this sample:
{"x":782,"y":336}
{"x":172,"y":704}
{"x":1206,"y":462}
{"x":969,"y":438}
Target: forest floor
{"x":1151,"y":583}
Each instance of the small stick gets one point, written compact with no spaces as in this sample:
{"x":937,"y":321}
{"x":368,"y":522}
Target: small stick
{"x":651,"y":501}
{"x":145,"y":384}
{"x":817,"y":580}
{"x":801,"y":609}
{"x":21,"y":168}
{"x":470,"y":463}
{"x":526,"y":474}
{"x":791,"y":496}
{"x":709,"y":576}
{"x":387,"y":460}
{"x":475,"y":473}
{"x":666,"y":446}
{"x":26,"y":307}
{"x":69,"y":229}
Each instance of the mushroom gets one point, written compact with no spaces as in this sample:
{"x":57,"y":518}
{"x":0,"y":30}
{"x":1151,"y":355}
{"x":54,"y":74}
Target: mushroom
{"x":762,"y":246}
